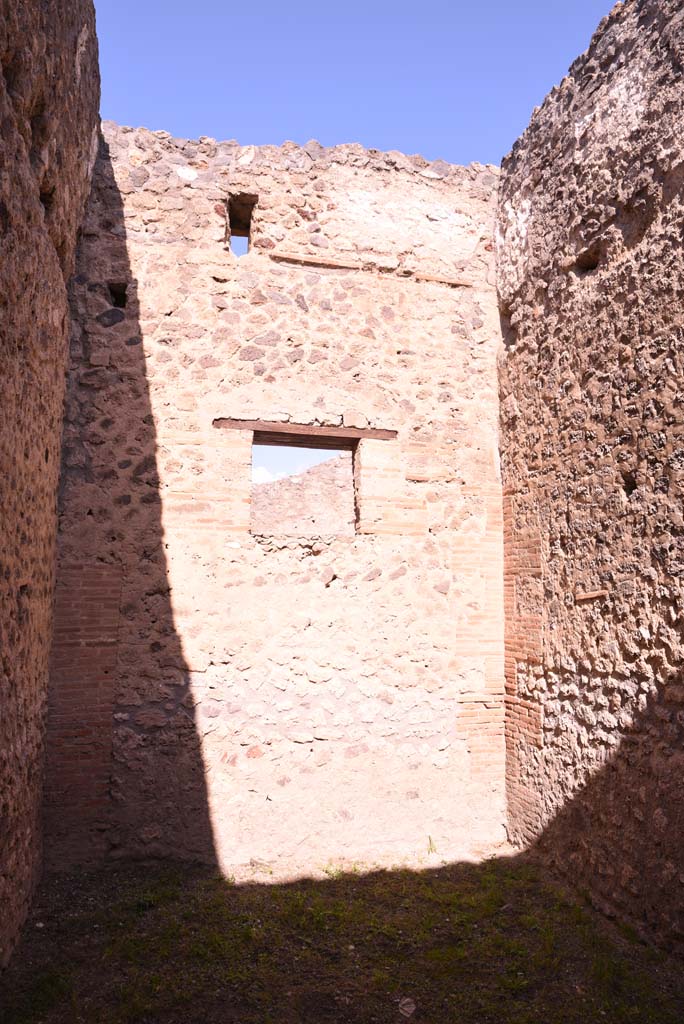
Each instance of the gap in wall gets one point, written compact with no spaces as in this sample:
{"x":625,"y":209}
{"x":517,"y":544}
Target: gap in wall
{"x":240,"y":209}
{"x":302,"y":491}
{"x":239,"y":245}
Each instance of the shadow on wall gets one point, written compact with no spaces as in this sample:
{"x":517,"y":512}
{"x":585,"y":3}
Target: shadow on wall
{"x":125,"y":767}
{"x":124,"y":764}
{"x":633,"y":807}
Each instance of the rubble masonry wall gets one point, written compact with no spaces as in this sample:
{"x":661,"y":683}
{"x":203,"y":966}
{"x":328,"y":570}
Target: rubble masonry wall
{"x":281,"y":702}
{"x":591,"y":265}
{"x":49,"y":93}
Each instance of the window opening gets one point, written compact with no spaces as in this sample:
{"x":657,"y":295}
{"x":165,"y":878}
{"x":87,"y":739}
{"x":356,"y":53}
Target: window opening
{"x":326,"y":502}
{"x":239,"y":245}
{"x":118,"y":294}
{"x":240,"y":209}
{"x":300,"y":488}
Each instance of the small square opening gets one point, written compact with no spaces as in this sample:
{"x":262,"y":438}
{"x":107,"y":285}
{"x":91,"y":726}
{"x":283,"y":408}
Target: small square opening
{"x":240,"y":210}
{"x":302,"y":488}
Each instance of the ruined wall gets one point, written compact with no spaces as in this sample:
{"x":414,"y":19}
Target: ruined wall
{"x":316,"y":502}
{"x":49,"y":92}
{"x":284,"y":701}
{"x":591,"y":265}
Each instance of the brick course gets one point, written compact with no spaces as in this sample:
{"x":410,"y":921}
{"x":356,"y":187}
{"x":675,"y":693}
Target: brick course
{"x":81,"y":706}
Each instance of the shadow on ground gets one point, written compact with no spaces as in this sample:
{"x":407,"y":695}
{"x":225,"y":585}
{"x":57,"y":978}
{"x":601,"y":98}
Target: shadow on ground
{"x":169,"y":944}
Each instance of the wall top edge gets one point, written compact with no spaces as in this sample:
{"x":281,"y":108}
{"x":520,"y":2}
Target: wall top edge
{"x":294,"y":158}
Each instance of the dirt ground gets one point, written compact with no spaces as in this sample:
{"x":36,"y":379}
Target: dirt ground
{"x":464,"y":944}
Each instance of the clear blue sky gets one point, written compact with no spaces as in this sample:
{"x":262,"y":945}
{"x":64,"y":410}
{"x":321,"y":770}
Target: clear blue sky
{"x":450,"y":79}
{"x":269,"y":462}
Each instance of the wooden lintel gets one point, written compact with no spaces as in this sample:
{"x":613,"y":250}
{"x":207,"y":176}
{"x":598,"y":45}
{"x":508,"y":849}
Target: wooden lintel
{"x":304,"y":435}
{"x":451,"y":282}
{"x":329,"y":263}
{"x":307,"y":260}
{"x":591,"y":595}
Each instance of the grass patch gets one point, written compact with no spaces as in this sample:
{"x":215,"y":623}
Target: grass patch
{"x":487,"y":944}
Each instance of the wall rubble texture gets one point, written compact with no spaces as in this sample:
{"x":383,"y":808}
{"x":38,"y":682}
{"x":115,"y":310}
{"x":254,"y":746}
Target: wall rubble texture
{"x":591,"y":265}
{"x":222,"y":689}
{"x":49,"y":93}
{"x":283,"y":701}
{"x":316,"y":502}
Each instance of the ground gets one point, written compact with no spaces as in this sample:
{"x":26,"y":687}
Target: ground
{"x":466,"y":943}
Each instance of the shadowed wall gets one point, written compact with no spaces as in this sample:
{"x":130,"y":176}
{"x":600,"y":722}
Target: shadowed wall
{"x":49,"y":93}
{"x":124,"y":770}
{"x":591,"y":265}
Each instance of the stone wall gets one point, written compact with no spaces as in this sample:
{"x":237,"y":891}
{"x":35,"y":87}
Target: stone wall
{"x":279,"y":702}
{"x":49,"y":92}
{"x":591,"y":265}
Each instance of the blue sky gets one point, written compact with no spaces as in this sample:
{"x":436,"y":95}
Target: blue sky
{"x":451,"y":79}
{"x":272,"y":462}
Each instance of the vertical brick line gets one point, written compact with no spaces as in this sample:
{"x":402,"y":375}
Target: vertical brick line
{"x":523,"y":646}
{"x":80,"y":712}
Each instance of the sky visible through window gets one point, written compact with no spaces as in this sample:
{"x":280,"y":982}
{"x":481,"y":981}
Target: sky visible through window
{"x":273,"y":462}
{"x":239,"y":245}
